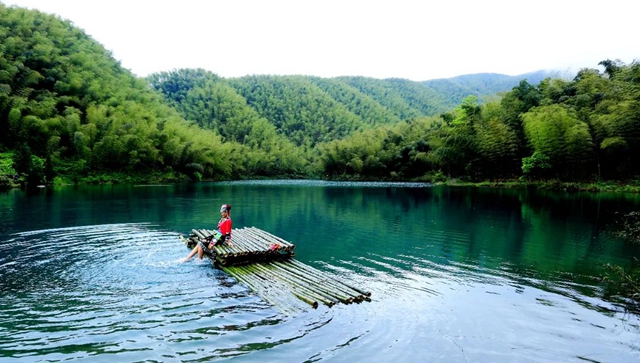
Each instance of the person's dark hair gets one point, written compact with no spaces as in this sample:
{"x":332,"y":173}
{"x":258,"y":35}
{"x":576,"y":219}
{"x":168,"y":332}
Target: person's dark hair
{"x":225,"y":208}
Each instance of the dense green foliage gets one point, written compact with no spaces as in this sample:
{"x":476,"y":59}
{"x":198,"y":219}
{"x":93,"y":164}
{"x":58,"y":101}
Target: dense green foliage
{"x":210,"y":102}
{"x":69,"y":109}
{"x":7,"y":172}
{"x":69,"y":112}
{"x":309,"y":110}
{"x":584,"y":129}
{"x":482,"y":85}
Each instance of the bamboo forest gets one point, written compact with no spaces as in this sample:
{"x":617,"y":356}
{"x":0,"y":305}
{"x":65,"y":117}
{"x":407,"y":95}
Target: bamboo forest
{"x":69,"y":113}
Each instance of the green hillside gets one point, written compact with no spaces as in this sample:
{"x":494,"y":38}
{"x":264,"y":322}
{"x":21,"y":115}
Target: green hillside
{"x":309,"y":110}
{"x":366,"y":107}
{"x":298,"y":108}
{"x":585,"y":129}
{"x":69,"y":110}
{"x":481,"y":85}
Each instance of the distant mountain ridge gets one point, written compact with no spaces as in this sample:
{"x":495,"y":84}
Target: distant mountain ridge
{"x":481,"y":85}
{"x":308,"y":110}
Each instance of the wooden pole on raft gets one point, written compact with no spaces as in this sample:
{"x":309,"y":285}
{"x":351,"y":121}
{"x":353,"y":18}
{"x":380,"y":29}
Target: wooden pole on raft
{"x":327,"y":300}
{"x":270,"y":236}
{"x":316,"y":271}
{"x":269,"y":239}
{"x":264,"y":293}
{"x":265,"y":281}
{"x":324,"y":285}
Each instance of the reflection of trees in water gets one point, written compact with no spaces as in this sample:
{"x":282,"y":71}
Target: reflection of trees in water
{"x":558,"y":240}
{"x":624,"y":281}
{"x":629,"y":224}
{"x":551,"y":233}
{"x":538,"y":235}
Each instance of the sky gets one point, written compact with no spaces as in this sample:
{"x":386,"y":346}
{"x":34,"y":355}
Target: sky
{"x":416,"y":40}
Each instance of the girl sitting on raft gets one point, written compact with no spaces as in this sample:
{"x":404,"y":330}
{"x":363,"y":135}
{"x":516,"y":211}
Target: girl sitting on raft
{"x":224,"y":228}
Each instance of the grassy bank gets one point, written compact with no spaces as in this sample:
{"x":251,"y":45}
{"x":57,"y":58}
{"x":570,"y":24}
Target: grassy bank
{"x":608,"y":186}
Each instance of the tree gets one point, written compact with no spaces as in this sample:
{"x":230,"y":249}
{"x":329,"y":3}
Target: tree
{"x":518,"y":101}
{"x":535,"y":165}
{"x":611,"y":67}
{"x":22,"y":159}
{"x":560,"y":136}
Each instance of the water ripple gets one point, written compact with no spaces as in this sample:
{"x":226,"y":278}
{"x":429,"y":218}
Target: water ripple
{"x":122,"y":284}
{"x":89,"y":293}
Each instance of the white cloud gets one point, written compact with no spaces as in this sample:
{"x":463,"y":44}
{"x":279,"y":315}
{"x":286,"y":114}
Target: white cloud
{"x":416,"y":40}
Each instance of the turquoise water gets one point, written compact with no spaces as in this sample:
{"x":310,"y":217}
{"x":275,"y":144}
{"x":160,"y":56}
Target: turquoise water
{"x":457,"y":274}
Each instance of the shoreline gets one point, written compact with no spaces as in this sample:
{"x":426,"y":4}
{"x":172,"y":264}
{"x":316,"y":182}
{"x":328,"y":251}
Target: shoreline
{"x":594,"y":187}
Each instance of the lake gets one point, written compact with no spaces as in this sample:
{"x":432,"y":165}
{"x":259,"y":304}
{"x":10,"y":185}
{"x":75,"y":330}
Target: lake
{"x":457,"y":274}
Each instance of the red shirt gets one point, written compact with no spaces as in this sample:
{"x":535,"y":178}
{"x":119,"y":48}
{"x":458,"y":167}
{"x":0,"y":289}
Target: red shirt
{"x":224,"y":226}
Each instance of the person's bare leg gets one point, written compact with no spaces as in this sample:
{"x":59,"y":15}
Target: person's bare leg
{"x":200,"y":252}
{"x":193,"y":253}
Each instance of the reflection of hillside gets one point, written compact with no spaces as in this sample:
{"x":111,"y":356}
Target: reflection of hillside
{"x":523,"y":230}
{"x":542,"y":235}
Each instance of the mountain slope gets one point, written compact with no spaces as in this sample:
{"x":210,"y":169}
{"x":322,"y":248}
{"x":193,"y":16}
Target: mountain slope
{"x":481,"y":85}
{"x":308,"y":110}
{"x":298,"y":108}
{"x":67,"y":107}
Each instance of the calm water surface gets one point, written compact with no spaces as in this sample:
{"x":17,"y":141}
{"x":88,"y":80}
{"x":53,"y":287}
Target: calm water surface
{"x":457,"y":275}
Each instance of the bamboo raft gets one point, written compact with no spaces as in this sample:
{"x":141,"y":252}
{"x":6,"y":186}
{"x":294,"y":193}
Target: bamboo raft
{"x":265,"y":264}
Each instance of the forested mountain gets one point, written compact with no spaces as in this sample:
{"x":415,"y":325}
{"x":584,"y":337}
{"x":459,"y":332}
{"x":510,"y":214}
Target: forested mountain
{"x":365,"y":106}
{"x":298,"y":108}
{"x":309,"y":110}
{"x":587,"y":128}
{"x":302,"y":110}
{"x":306,"y":110}
{"x":482,"y":85}
{"x":70,"y":112}
{"x":67,"y":108}
{"x":405,"y":99}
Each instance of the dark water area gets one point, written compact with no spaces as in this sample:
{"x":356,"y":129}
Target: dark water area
{"x":92,"y":273}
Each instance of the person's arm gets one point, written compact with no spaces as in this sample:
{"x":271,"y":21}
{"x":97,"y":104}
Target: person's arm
{"x":225,"y":229}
